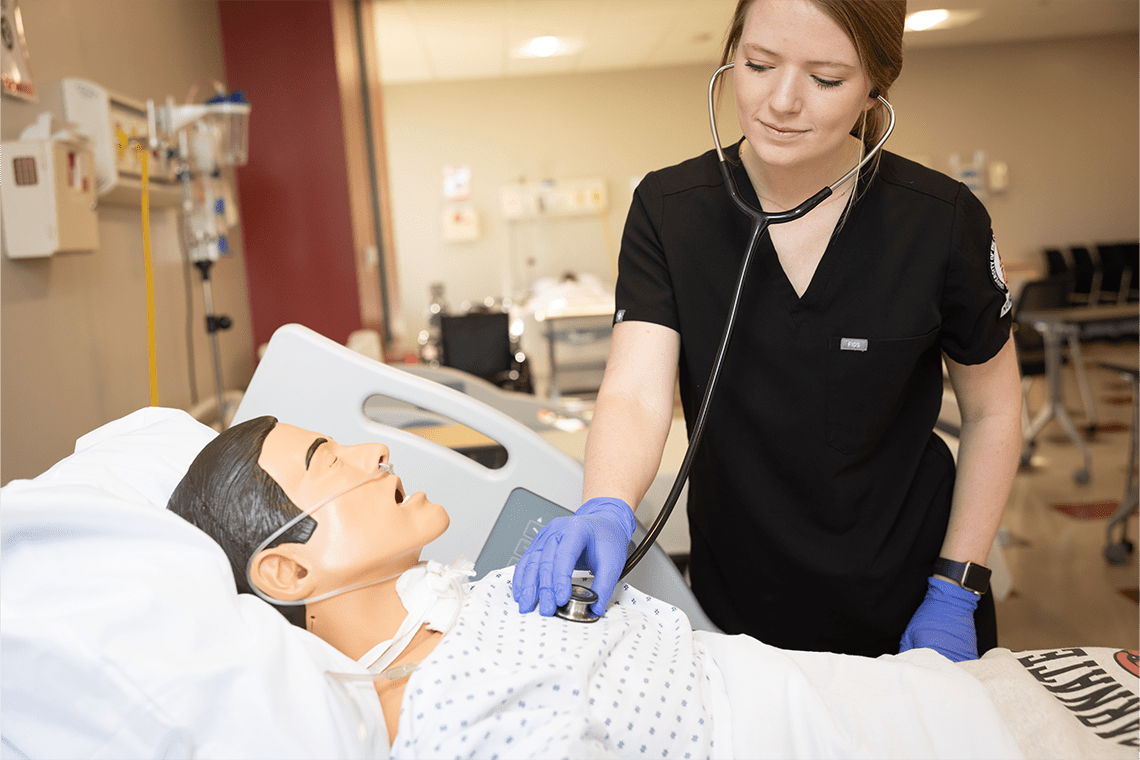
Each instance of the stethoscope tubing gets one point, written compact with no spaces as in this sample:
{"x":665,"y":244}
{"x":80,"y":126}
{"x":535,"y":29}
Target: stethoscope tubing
{"x":761,"y":220}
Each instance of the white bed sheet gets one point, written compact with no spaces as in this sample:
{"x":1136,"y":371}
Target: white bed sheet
{"x":787,"y":704}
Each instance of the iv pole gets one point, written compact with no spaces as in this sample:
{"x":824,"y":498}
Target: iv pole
{"x":210,"y":136}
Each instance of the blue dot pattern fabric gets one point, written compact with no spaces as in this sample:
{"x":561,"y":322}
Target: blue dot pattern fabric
{"x":634,"y":684}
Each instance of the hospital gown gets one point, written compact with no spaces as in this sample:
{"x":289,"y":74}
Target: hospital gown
{"x":500,"y":684}
{"x":640,"y":683}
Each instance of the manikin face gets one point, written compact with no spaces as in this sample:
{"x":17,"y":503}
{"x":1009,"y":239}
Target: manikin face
{"x":370,"y":530}
{"x":799,"y":85}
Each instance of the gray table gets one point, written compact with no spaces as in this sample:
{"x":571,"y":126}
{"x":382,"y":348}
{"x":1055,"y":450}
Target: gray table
{"x":1073,"y":325}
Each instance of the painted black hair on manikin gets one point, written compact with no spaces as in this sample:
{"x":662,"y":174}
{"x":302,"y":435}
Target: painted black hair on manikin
{"x":227,"y":495}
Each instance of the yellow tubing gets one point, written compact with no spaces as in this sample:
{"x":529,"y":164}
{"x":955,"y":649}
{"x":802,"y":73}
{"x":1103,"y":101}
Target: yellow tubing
{"x":141,"y":154}
{"x":151,"y":343}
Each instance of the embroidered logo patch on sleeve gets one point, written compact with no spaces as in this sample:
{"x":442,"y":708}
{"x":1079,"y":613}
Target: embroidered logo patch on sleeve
{"x":997,"y":274}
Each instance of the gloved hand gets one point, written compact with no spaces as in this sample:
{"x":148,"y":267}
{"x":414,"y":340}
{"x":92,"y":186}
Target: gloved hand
{"x":944,"y":622}
{"x":601,"y":528}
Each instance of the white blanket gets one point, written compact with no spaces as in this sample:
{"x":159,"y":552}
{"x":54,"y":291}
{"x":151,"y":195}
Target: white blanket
{"x":788,"y":704}
{"x":1078,"y":702}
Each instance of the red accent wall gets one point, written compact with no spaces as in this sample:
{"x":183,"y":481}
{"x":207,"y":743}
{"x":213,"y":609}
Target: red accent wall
{"x":293,"y":193}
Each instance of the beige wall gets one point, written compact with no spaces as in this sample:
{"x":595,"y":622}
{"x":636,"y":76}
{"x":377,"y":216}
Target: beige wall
{"x":73,"y":343}
{"x":1062,"y":114}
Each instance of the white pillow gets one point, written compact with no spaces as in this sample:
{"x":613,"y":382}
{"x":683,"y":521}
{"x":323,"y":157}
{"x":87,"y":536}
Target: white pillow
{"x":140,"y":457}
{"x":122,"y":635}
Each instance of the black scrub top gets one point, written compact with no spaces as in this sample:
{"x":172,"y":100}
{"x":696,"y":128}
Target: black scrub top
{"x":819,"y":496}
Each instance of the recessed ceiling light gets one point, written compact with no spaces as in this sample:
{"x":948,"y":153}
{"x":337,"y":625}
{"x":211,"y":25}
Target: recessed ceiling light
{"x":923,"y":20}
{"x":547,"y":46}
{"x":543,"y":47}
{"x":940,"y":18}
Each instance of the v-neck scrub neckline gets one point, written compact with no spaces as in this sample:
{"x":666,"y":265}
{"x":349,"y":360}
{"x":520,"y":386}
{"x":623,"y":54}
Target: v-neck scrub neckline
{"x":766,"y":248}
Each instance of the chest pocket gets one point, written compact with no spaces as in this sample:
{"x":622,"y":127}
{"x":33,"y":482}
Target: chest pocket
{"x":865,"y":381}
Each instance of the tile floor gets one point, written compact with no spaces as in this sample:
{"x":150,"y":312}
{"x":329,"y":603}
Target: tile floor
{"x":1064,"y":591}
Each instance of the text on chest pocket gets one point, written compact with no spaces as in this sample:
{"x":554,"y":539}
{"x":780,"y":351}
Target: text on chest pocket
{"x":865,"y":381}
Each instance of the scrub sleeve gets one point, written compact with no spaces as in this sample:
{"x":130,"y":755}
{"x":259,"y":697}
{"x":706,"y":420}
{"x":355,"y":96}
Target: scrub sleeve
{"x":820,"y":495}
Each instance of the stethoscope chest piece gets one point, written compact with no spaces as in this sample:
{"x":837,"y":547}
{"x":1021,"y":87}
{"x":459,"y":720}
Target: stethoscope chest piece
{"x":578,"y":608}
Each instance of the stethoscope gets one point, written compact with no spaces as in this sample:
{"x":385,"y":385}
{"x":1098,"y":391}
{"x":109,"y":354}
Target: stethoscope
{"x":581,"y":597}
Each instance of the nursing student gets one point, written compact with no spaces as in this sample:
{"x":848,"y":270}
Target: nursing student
{"x":824,"y":512}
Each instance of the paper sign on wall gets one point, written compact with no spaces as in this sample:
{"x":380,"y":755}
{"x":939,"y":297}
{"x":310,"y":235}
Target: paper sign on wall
{"x":457,"y":183}
{"x":460,"y":223}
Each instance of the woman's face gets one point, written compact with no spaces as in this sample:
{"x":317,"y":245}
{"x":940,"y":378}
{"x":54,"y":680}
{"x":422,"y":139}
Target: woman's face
{"x":799,"y":85}
{"x":371,"y":527}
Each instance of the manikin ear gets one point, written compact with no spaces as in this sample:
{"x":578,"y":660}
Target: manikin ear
{"x":282,"y":573}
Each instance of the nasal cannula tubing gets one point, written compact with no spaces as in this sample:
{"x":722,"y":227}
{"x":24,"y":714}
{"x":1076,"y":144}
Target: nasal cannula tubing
{"x":760,"y":222}
{"x":384,"y":468}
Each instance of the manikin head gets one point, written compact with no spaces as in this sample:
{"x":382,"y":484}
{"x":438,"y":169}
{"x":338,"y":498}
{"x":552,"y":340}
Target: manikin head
{"x":873,"y":32}
{"x":256,"y":476}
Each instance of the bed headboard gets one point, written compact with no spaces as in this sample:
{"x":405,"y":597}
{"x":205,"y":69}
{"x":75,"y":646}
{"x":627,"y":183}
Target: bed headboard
{"x":307,"y":380}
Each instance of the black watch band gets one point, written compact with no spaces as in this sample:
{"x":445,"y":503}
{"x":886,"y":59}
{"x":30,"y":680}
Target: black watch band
{"x":969,"y":575}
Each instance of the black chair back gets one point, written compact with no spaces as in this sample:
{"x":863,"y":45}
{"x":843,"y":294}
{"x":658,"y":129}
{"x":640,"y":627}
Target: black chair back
{"x":1114,"y":280}
{"x":1055,"y":262}
{"x":1130,"y":252}
{"x":1086,"y":276}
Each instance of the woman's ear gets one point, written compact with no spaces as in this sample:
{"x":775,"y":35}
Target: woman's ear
{"x":282,"y":574}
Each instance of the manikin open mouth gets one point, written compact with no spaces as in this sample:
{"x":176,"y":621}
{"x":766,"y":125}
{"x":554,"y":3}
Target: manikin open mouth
{"x":400,"y":495}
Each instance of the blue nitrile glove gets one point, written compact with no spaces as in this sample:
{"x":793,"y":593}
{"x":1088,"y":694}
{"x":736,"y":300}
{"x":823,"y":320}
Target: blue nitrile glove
{"x":944,"y":622}
{"x":601,"y":529}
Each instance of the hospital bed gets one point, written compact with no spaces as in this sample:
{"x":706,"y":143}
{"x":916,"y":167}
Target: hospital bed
{"x":121,"y":634}
{"x":307,"y":380}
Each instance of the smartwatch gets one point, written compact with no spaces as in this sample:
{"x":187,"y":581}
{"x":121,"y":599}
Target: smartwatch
{"x":969,"y":575}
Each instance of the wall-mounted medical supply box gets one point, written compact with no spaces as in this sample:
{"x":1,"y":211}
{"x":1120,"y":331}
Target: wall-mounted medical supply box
{"x":47,"y":187}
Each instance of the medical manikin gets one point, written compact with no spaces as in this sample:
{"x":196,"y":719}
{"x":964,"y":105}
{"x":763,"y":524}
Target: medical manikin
{"x":249,"y":481}
{"x":459,"y":671}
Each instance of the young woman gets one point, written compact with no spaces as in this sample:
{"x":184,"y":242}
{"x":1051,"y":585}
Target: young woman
{"x":824,"y":512}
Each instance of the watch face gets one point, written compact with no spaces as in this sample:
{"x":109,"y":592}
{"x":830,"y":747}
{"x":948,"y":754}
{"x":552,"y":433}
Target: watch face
{"x":976,"y":578}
